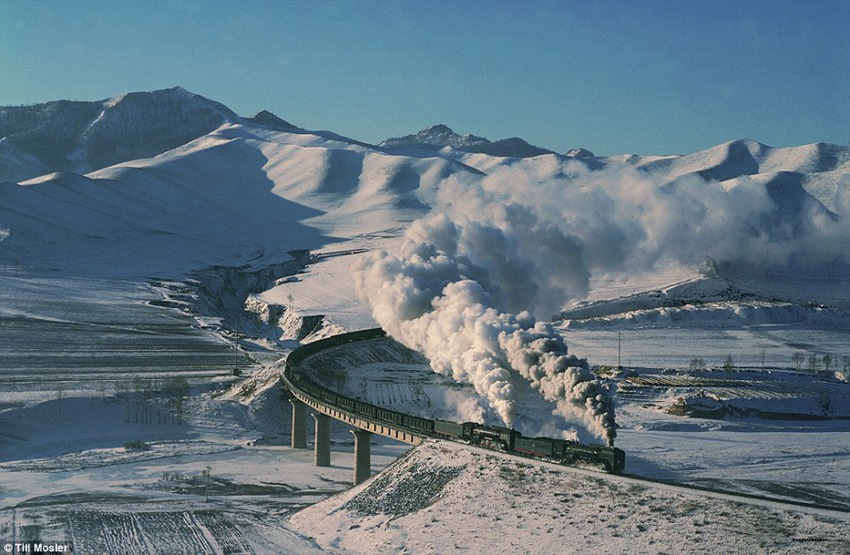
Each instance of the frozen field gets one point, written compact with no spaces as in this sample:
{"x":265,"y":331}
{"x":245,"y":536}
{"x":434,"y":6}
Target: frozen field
{"x":751,"y":347}
{"x":222,"y":481}
{"x":88,"y":335}
{"x":81,"y":385}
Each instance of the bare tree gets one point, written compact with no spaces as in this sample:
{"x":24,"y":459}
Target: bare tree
{"x":206,"y":473}
{"x":122,"y":391}
{"x":177,"y":389}
{"x":60,"y":394}
{"x":799,"y":357}
{"x":814,"y":363}
{"x":697,"y":364}
{"x":142,"y":391}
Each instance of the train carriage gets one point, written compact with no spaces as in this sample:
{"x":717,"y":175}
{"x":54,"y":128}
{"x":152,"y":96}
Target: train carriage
{"x":420,"y":424}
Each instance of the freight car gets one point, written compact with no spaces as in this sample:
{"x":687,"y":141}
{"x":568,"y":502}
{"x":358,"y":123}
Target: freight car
{"x":497,"y":438}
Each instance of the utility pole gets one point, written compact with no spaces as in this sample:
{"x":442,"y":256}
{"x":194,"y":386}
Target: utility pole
{"x":236,"y":349}
{"x":206,"y":473}
{"x":619,"y":351}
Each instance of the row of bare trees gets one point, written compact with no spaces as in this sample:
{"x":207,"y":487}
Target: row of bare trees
{"x":815,"y":363}
{"x":812,"y":362}
{"x":150,"y":401}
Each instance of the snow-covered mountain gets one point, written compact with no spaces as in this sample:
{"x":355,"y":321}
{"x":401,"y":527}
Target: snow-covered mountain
{"x":816,"y":168}
{"x":241,"y":193}
{"x":441,"y":138}
{"x":84,"y":136}
{"x":168,"y":181}
{"x":81,"y":136}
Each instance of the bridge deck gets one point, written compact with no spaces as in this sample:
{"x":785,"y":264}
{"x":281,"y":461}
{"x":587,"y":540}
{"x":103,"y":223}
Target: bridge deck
{"x":358,"y":421}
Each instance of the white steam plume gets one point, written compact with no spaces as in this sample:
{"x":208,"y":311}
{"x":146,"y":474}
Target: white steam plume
{"x":423,"y":299}
{"x":468,"y":284}
{"x":449,"y":293}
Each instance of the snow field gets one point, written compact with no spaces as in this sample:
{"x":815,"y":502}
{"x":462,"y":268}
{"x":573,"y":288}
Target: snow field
{"x":71,"y":478}
{"x":93,"y":336}
{"x":444,"y":498}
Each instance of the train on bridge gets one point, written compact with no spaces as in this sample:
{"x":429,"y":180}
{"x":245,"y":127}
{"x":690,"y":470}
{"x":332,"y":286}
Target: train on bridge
{"x":608,"y":458}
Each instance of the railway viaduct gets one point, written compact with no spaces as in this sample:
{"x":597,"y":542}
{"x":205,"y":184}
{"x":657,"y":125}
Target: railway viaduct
{"x":305,"y":395}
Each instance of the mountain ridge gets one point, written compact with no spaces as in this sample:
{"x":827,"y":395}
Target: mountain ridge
{"x":83,"y":136}
{"x":441,"y":136}
{"x":275,"y":182}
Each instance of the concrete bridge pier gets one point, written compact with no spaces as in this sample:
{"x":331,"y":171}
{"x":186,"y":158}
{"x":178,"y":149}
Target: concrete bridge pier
{"x":322,"y":445}
{"x":362,"y":455}
{"x":299,"y":424}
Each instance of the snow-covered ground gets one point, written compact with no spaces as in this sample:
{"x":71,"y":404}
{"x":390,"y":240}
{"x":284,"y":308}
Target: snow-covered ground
{"x":118,"y":284}
{"x":94,"y":452}
{"x":446,"y":498}
{"x":200,"y":487}
{"x":65,"y":473}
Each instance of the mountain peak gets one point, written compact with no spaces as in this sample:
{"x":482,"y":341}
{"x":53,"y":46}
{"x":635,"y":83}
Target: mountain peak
{"x":440,"y":128}
{"x":439,"y":136}
{"x":579,"y":153}
{"x":81,"y":137}
{"x":272,"y":121}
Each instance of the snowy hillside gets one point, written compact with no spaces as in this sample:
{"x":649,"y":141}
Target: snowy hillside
{"x":84,"y":136}
{"x":815,"y":169}
{"x":442,"y":498}
{"x":293,"y":183}
{"x":159,"y":251}
{"x":238,"y":194}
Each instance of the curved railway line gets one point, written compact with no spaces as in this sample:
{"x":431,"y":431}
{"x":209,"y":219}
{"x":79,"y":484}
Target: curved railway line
{"x":415,"y":430}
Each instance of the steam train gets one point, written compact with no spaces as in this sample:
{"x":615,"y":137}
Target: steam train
{"x":497,"y":438}
{"x":563,"y":451}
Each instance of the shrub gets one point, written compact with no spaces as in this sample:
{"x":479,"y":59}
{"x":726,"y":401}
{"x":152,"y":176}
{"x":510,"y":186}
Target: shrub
{"x":697,"y":364}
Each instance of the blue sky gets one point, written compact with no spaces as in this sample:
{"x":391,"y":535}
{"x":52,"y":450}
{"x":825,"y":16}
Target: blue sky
{"x":648,"y":77}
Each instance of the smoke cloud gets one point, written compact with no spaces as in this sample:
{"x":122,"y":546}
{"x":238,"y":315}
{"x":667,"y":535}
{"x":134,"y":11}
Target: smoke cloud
{"x":425,"y":299}
{"x":471,"y":284}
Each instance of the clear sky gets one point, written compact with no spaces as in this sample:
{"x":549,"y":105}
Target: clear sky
{"x":648,"y":77}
